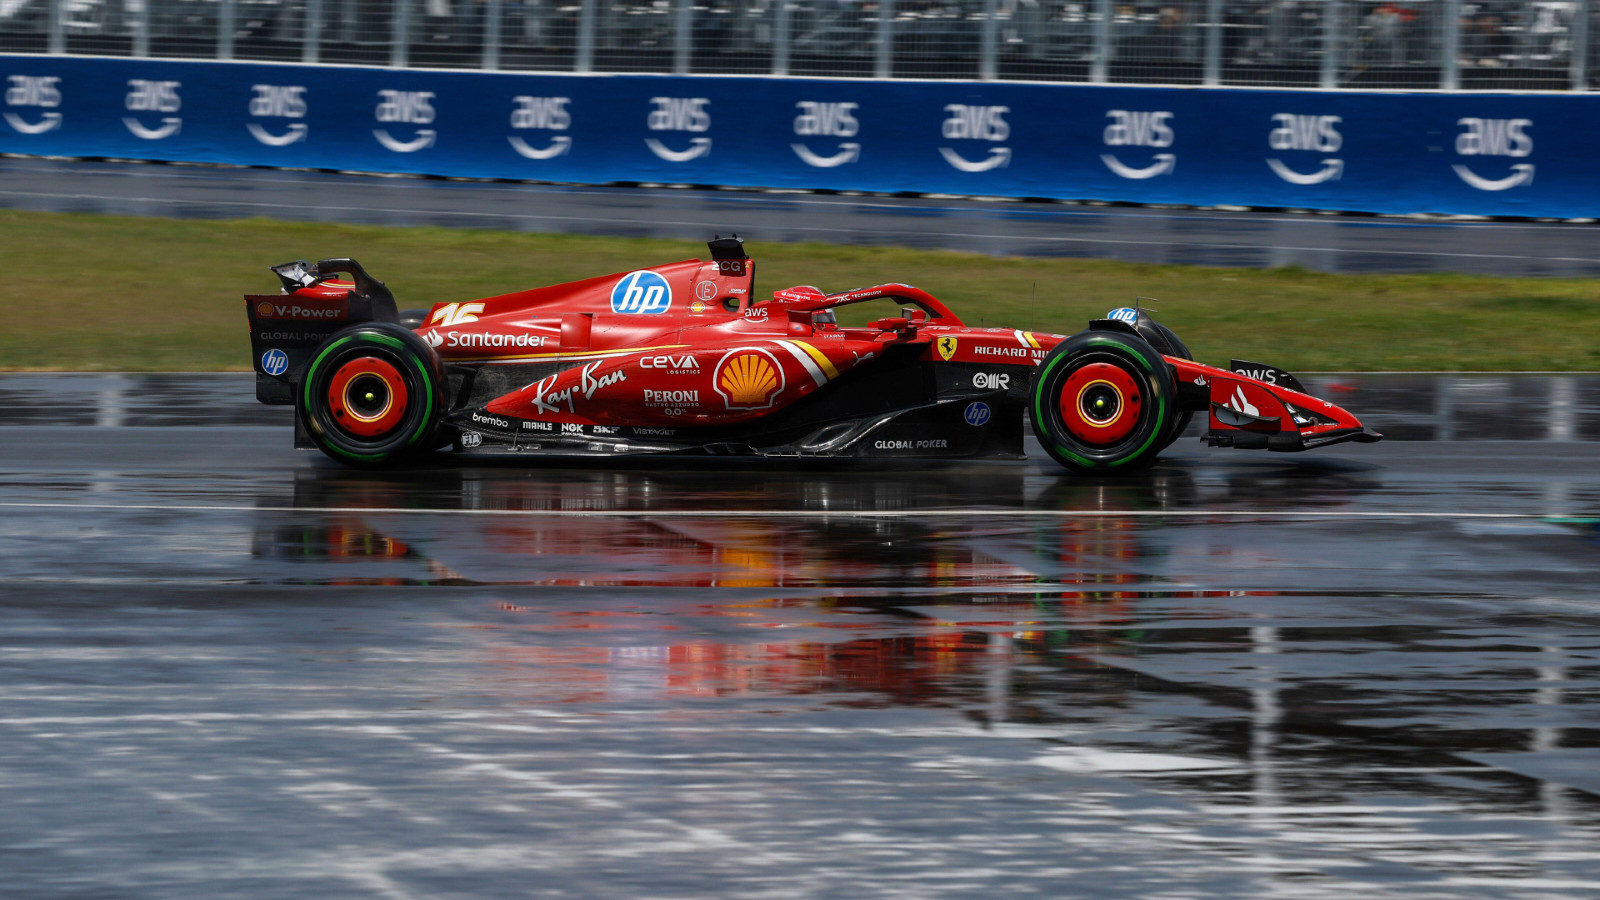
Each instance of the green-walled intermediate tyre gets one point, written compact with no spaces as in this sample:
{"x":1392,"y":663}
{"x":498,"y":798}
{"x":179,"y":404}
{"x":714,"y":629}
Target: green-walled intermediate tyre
{"x":1103,"y":403}
{"x":1180,"y":422}
{"x":372,"y":394}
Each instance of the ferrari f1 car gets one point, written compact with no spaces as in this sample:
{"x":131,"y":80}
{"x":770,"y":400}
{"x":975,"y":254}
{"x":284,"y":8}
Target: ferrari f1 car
{"x":683,"y":358}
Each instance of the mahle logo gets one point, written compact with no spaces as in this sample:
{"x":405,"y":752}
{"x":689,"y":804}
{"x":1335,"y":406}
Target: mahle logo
{"x":278,"y":101}
{"x":1495,"y":137}
{"x":409,"y":108}
{"x":976,"y":123}
{"x":690,"y":114}
{"x":1140,"y":128}
{"x":1293,"y":132}
{"x":819,"y":119}
{"x":39,"y":91}
{"x":153,"y":96}
{"x":541,"y":114}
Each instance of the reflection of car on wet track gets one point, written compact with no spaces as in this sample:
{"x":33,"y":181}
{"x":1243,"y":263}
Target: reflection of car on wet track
{"x":682,"y":358}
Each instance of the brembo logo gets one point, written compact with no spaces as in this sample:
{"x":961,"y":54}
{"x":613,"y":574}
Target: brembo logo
{"x":1139,"y":128}
{"x":41,"y":92}
{"x":541,"y":114}
{"x":153,"y":96}
{"x":1315,"y":134}
{"x":818,"y":119}
{"x":278,"y":101}
{"x":407,"y":108}
{"x":976,"y":123}
{"x":491,"y":421}
{"x":1495,"y":137}
{"x":679,"y":114}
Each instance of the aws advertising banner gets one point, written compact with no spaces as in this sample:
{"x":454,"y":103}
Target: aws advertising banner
{"x":1485,"y":154}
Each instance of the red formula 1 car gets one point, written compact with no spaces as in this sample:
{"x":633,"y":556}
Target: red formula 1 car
{"x":683,"y":358}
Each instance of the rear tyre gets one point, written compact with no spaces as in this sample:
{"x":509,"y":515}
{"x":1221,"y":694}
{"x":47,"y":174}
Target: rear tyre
{"x":1180,"y":422}
{"x":372,"y":394}
{"x":1103,"y":403}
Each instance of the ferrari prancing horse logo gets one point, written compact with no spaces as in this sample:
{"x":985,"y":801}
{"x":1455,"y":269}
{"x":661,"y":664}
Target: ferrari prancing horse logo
{"x":947,"y":347}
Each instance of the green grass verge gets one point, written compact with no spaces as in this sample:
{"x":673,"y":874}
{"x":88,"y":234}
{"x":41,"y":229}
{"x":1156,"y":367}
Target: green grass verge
{"x":84,"y":292}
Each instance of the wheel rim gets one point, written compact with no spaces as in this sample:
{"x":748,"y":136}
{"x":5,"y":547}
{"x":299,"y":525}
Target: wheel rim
{"x":1100,"y":404}
{"x":367,"y":397}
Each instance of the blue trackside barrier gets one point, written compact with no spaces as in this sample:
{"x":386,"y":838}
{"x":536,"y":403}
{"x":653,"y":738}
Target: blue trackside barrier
{"x":1482,"y":154}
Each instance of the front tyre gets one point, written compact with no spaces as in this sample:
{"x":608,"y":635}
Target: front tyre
{"x":1103,"y":403}
{"x":372,"y":394}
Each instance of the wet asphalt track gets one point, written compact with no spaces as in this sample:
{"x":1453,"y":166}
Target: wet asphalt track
{"x":1179,"y":236}
{"x":229,"y":669}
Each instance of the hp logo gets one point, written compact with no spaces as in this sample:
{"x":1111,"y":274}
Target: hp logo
{"x":1125,"y":314}
{"x":274,"y":362}
{"x":641,"y":293}
{"x":976,"y":413}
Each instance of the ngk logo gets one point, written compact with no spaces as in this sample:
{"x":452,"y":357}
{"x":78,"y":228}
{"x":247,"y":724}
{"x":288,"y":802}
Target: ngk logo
{"x":153,"y":96}
{"x":278,"y":101}
{"x":405,"y":108}
{"x":37,"y":91}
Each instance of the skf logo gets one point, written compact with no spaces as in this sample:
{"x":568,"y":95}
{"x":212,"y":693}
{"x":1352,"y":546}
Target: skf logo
{"x":977,"y":123}
{"x":405,"y":107}
{"x":452,"y":314}
{"x":278,"y":101}
{"x":1495,"y":137}
{"x":642,"y":293}
{"x":1317,"y":134}
{"x":1137,"y":128}
{"x":748,"y":378}
{"x":541,"y":114}
{"x":819,"y":119}
{"x":946,"y":347}
{"x":43,"y":92}
{"x":679,"y":114}
{"x":153,"y":96}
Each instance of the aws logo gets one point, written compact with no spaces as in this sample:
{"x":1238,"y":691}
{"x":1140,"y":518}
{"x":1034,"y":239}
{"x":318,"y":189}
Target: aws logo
{"x":1138,"y":128}
{"x":1495,"y":137}
{"x":153,"y":96}
{"x":1316,"y":134}
{"x":278,"y":101}
{"x":976,"y":123}
{"x":409,"y":108}
{"x":679,"y":114}
{"x":38,"y":91}
{"x":541,"y":114}
{"x":818,"y":119}
{"x":748,"y":378}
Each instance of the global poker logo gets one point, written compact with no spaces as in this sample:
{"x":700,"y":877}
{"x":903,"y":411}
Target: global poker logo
{"x":42,"y":92}
{"x":641,"y":293}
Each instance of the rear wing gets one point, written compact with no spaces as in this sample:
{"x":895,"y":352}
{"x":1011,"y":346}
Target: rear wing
{"x":287,"y":327}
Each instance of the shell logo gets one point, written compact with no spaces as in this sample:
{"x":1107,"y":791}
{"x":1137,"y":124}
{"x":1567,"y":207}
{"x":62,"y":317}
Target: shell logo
{"x":748,"y":378}
{"x":263,"y":309}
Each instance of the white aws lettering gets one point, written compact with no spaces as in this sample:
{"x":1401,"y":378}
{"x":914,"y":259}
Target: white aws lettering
{"x":29,"y":90}
{"x":153,"y":96}
{"x":412,"y":107}
{"x":826,"y":119}
{"x":284,"y":101}
{"x":1494,"y":137}
{"x":984,"y":123}
{"x":1296,"y":132}
{"x":1138,"y":128}
{"x":541,"y":112}
{"x":680,"y":114}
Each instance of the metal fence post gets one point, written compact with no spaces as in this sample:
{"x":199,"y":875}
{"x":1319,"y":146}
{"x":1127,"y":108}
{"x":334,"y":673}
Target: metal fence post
{"x":884,"y":66}
{"x":1450,"y":64}
{"x":141,"y":30}
{"x":987,"y":68}
{"x":1213,"y":70}
{"x":682,"y":31}
{"x":400,"y":35}
{"x":1331,"y":32}
{"x":1580,"y":45}
{"x":58,"y":32}
{"x":1100,"y":63}
{"x":311,"y":49}
{"x":225,"y":29}
{"x":780,"y":37}
{"x":491,"y":35}
{"x":584,"y":60}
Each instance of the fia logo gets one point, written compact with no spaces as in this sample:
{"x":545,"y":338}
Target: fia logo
{"x":976,"y":123}
{"x":679,"y":114}
{"x":541,"y":114}
{"x":278,"y":101}
{"x":976,"y":413}
{"x":406,"y":107}
{"x":1495,"y":137}
{"x":1317,"y":134}
{"x":642,"y":293}
{"x":1138,"y":128}
{"x":41,"y":91}
{"x":818,"y":119}
{"x":153,"y":96}
{"x":274,"y":362}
